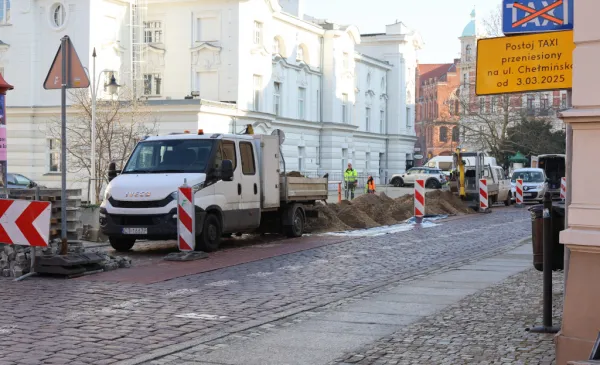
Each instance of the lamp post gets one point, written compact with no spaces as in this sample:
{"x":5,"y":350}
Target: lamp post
{"x":4,"y":87}
{"x":112,"y":87}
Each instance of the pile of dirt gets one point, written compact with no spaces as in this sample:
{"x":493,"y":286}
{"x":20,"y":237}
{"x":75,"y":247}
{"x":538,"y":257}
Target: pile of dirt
{"x":328,"y":220}
{"x":374,"y":210}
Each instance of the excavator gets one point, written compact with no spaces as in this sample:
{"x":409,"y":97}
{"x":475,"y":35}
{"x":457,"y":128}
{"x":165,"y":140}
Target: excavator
{"x":469,"y":168}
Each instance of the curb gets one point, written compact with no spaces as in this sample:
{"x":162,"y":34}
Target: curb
{"x":451,"y":264}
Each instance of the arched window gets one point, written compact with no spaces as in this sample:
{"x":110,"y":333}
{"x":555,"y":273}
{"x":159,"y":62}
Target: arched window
{"x":279,"y":46}
{"x":302,"y":54}
{"x":383,"y":84}
{"x":443,"y":134}
{"x":468,"y":52}
{"x":455,"y":134}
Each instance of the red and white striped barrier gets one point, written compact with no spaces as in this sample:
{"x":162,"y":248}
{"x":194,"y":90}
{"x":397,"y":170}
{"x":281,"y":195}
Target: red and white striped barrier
{"x":25,"y":223}
{"x":420,"y":198}
{"x":483,"y":195}
{"x":563,"y":188}
{"x":519,"y":192}
{"x":186,"y":218}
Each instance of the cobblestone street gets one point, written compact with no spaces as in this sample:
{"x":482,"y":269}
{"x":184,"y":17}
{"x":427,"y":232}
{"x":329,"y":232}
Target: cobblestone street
{"x":95,"y":322}
{"x":485,"y":328}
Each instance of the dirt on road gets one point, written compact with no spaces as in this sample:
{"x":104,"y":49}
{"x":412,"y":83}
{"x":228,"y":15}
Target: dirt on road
{"x":375,"y":210}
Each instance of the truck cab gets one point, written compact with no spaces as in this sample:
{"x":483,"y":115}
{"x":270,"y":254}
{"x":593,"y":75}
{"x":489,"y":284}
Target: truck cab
{"x":554,"y":166}
{"x":236,"y":184}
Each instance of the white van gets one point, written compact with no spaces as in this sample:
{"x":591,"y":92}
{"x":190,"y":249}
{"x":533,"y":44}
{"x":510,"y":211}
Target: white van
{"x":446,"y":163}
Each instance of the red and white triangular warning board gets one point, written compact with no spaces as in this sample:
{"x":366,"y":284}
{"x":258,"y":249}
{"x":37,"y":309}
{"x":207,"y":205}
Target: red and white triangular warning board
{"x":24,"y":222}
{"x":76,"y":76}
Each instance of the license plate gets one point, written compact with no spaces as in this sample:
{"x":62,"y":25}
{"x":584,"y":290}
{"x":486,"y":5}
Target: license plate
{"x":135,"y":230}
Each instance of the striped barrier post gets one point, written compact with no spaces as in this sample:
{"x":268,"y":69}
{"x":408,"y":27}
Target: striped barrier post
{"x":484,"y":205}
{"x":186,"y":218}
{"x":519,"y":193}
{"x":419,"y":200}
{"x":563,"y":188}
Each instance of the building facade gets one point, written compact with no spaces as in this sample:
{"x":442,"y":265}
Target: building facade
{"x":437,"y":110}
{"x":219,"y":65}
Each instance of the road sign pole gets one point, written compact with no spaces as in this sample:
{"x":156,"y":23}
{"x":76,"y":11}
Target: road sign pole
{"x":63,"y":142}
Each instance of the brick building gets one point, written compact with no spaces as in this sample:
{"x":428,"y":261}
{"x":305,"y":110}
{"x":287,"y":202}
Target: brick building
{"x":437,"y":109}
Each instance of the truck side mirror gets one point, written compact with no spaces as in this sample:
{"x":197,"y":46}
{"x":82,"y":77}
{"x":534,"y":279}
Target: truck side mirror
{"x":112,"y":171}
{"x":227,"y":170}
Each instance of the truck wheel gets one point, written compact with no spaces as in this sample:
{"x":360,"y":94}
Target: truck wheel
{"x":297,"y":227}
{"x":508,"y":200}
{"x":121,"y":244}
{"x":210,"y":238}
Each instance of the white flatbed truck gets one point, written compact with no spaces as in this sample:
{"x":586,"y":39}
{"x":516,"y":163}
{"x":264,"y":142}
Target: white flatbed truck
{"x":237,"y":182}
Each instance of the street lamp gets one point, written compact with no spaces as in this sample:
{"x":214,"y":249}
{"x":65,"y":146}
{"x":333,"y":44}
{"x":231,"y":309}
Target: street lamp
{"x":112,"y":88}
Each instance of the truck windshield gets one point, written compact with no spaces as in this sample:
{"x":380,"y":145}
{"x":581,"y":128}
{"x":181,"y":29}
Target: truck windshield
{"x":528,"y":176}
{"x":175,"y":156}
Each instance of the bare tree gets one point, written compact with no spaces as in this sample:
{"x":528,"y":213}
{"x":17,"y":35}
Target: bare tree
{"x":120,"y":123}
{"x":485,"y":121}
{"x":493,"y":23}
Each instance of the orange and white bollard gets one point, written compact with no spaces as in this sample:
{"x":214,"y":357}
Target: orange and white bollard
{"x":484,"y":204}
{"x":186,"y":218}
{"x":339,"y":192}
{"x":519,"y":193}
{"x":563,"y":188}
{"x":419,"y":200}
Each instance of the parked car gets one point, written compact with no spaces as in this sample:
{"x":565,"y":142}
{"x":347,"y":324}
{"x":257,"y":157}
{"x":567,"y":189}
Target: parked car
{"x":434,"y":178}
{"x":18,"y":181}
{"x":535,"y":184}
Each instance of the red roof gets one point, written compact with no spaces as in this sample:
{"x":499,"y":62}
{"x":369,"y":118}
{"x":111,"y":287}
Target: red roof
{"x":433,"y":70}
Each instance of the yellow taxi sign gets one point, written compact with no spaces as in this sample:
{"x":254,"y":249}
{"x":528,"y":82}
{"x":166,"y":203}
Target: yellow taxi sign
{"x":532,"y":62}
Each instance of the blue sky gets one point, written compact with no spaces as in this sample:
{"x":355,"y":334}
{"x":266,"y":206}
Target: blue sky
{"x":440,"y":22}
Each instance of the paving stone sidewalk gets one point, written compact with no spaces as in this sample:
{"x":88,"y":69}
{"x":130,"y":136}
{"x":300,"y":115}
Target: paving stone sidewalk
{"x":488,"y":327}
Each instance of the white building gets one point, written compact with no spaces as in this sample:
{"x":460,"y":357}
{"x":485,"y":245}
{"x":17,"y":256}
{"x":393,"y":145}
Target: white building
{"x":219,"y":65}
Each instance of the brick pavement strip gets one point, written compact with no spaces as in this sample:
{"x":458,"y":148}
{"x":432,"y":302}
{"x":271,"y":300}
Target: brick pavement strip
{"x":46,"y":317}
{"x":488,"y":327}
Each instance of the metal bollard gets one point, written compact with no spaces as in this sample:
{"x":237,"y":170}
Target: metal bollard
{"x":548,"y":256}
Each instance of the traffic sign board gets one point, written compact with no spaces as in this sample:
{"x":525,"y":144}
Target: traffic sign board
{"x":532,"y":62}
{"x":25,"y":222}
{"x":535,"y":16}
{"x":76,"y":76}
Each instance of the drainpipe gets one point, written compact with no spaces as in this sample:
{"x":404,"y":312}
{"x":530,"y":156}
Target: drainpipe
{"x":387,"y":141}
{"x":320,"y":101}
{"x":191,"y":54}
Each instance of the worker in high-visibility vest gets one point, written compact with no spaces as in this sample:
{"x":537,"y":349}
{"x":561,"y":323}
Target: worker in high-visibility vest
{"x":350,"y":179}
{"x":370,"y":186}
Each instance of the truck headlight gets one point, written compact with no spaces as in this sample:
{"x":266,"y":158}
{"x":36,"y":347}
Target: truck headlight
{"x":107,"y":194}
{"x":174,"y":195}
{"x":198,"y":187}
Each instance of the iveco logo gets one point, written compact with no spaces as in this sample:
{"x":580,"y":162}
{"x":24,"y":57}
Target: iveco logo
{"x":138,"y":194}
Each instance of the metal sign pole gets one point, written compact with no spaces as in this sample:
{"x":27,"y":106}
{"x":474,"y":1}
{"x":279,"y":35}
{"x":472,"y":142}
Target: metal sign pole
{"x":32,"y":249}
{"x":4,"y":143}
{"x":63,"y":141}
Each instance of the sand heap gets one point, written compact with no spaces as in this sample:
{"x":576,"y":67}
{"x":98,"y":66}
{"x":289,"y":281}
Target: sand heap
{"x":374,"y":210}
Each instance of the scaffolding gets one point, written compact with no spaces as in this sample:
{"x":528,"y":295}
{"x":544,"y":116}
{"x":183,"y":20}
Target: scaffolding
{"x":139,"y":57}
